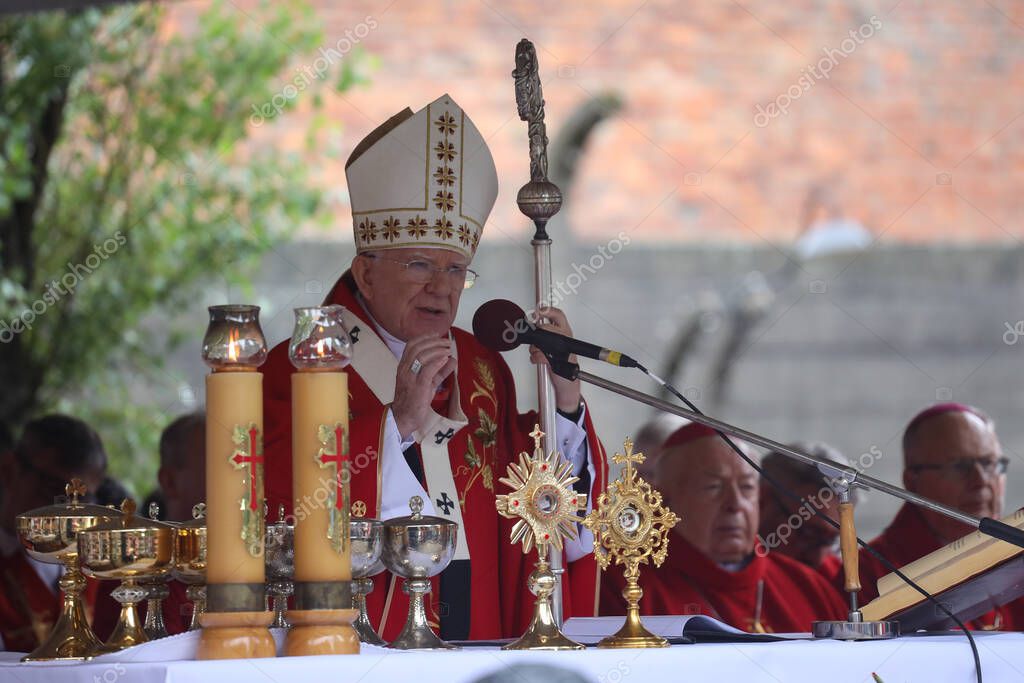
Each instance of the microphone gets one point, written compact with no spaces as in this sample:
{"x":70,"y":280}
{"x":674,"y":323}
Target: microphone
{"x":501,"y":325}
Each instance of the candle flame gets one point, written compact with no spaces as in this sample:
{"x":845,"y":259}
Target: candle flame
{"x":320,"y":348}
{"x":233,"y":346}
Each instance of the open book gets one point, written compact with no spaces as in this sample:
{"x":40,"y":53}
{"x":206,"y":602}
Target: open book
{"x":975,"y":556}
{"x":675,"y":628}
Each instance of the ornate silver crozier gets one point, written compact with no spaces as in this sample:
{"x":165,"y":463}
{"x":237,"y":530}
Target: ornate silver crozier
{"x":367,"y":544}
{"x":416,"y":548}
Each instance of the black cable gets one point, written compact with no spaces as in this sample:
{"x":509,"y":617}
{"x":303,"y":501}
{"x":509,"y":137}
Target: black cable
{"x":792,"y":495}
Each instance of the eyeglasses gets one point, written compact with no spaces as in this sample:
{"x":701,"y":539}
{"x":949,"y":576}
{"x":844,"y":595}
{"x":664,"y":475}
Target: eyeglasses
{"x":965,"y":467}
{"x":422,"y":271}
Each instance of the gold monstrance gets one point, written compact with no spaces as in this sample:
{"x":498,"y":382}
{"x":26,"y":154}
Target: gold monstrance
{"x":548,"y":508}
{"x":630,"y":525}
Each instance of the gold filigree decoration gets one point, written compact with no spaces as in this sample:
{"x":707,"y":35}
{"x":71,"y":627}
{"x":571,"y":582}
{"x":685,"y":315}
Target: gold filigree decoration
{"x":443,"y":228}
{"x":542,"y":498}
{"x":367,"y":230}
{"x":478,"y":463}
{"x":417,"y":227}
{"x":333,"y":454}
{"x":248,"y":456}
{"x":630,"y":527}
{"x":392,"y":229}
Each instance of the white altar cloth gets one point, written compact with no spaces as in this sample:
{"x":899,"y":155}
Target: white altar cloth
{"x":931,"y":658}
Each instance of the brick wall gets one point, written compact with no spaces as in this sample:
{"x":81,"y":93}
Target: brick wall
{"x":916,"y":130}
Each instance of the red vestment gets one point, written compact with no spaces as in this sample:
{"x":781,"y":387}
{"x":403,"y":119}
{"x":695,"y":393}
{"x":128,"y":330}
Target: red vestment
{"x":830,"y":568}
{"x":28,"y":607}
{"x":688,"y":582}
{"x":909,"y":538}
{"x":479,"y":454}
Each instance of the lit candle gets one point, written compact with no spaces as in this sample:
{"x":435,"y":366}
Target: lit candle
{"x":234,"y":347}
{"x":323,"y":614}
{"x":319,"y":349}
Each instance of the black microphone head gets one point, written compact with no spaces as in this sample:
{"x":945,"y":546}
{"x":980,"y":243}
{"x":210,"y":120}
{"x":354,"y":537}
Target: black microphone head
{"x":498,"y":323}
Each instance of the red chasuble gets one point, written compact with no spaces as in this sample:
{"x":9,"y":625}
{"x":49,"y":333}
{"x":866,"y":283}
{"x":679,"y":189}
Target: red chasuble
{"x":28,"y":607}
{"x":830,"y":568}
{"x":479,"y":454}
{"x":910,"y":538}
{"x":688,"y":582}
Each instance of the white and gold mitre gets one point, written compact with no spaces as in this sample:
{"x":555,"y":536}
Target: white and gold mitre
{"x":422,"y":180}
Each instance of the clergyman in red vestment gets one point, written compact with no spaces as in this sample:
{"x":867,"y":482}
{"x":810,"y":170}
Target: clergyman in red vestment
{"x":51,"y":451}
{"x":792,"y":528}
{"x":433,"y":412}
{"x":952,"y":455}
{"x":714,"y":565}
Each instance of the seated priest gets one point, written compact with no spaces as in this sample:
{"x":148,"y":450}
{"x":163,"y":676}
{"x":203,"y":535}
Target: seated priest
{"x":649,"y":439}
{"x":182,"y":478}
{"x":790,"y":527}
{"x":51,"y":451}
{"x":714,"y":565}
{"x":952,"y":455}
{"x":433,"y":412}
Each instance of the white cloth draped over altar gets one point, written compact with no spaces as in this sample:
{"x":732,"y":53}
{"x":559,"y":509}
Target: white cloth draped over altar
{"x":931,"y":658}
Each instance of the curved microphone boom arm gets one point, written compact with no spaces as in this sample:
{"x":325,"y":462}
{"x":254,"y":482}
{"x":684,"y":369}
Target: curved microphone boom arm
{"x":829,"y":469}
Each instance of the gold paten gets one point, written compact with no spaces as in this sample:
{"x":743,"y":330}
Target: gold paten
{"x":50,"y":534}
{"x":630,"y":526}
{"x":548,"y":508}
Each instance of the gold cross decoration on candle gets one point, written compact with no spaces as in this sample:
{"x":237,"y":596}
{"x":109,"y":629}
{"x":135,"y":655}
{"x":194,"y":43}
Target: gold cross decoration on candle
{"x":248,"y":456}
{"x":334,"y":453}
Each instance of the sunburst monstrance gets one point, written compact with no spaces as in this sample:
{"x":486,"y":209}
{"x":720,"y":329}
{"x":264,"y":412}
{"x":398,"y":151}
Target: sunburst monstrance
{"x":548,"y":510}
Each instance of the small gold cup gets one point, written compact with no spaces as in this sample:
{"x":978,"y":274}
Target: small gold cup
{"x":127,"y":548}
{"x":190,"y":561}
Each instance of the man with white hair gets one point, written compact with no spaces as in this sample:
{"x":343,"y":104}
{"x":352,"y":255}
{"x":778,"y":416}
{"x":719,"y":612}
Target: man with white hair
{"x":714,"y":565}
{"x":433,"y":412}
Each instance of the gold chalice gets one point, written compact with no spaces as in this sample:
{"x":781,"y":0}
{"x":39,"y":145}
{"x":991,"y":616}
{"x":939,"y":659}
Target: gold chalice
{"x":50,"y":534}
{"x":190,"y":561}
{"x":127,"y":548}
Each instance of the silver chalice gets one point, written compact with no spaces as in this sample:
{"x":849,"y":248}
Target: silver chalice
{"x":280,"y":565}
{"x":366,"y":538}
{"x":416,"y":548}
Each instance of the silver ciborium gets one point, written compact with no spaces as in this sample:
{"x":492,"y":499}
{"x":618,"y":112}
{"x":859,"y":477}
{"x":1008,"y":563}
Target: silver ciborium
{"x":158,"y":592}
{"x":190,"y":561}
{"x":280,"y":563}
{"x":366,"y":542}
{"x":416,"y":548}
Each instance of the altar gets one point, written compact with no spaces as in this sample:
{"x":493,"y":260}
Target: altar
{"x":933,"y":658}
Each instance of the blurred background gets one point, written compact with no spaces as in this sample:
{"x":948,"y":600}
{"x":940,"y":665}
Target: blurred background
{"x":805,"y":215}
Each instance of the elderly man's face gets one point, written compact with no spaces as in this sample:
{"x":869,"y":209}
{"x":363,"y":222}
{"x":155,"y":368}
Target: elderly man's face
{"x":715,"y":494}
{"x":954,"y":459}
{"x":406,"y":306}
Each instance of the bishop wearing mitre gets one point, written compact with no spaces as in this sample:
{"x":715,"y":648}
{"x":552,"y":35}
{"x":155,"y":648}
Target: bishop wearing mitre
{"x":433,"y":412}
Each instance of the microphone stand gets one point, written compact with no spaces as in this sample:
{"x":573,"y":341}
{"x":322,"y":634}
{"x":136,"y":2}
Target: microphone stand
{"x":842,"y":480}
{"x":539,"y":200}
{"x":831,"y":470}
